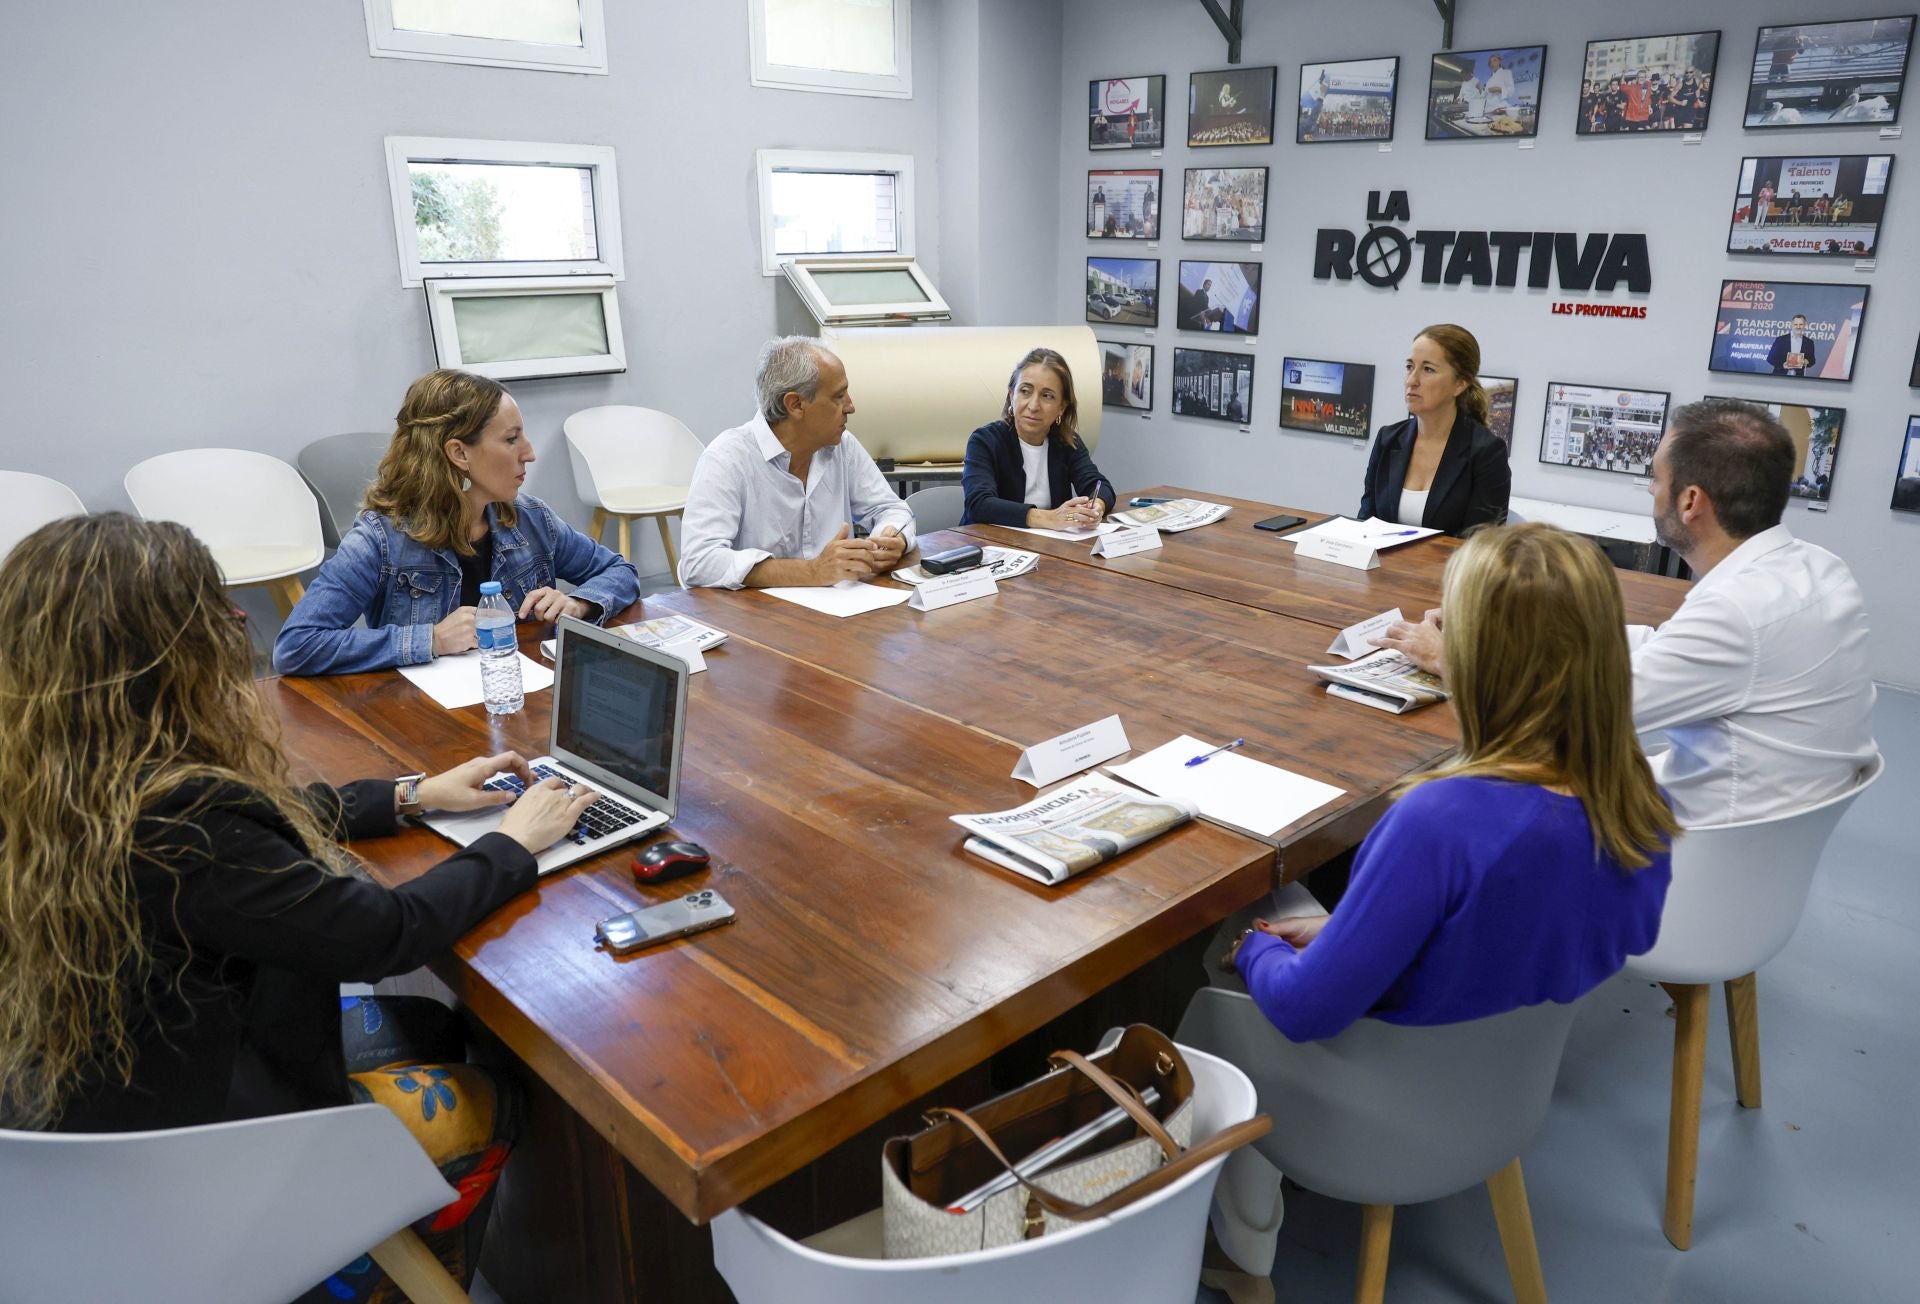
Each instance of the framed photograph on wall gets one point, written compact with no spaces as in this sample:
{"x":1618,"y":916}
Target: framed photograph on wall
{"x":1124,"y":291}
{"x":1126,"y":375}
{"x":1347,"y":101}
{"x":1231,"y":107}
{"x":1224,"y":204}
{"x":1503,"y":392}
{"x":1124,"y":205}
{"x":1485,"y":94}
{"x":1600,"y":428}
{"x":1906,"y":477}
{"x":1222,"y":297}
{"x":1829,"y":74}
{"x":1328,"y":398}
{"x":1648,"y":83}
{"x":1816,"y":442}
{"x":1828,"y":206}
{"x":1214,"y":385}
{"x":1804,"y":329}
{"x":1127,"y":112}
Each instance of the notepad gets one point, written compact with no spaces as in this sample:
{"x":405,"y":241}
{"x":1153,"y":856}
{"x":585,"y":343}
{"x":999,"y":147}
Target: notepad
{"x":847,"y":598}
{"x":1231,"y":790}
{"x":454,"y":681}
{"x":1372,"y":532}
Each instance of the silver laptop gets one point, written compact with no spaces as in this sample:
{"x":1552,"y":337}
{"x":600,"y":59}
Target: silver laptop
{"x":619,"y":718}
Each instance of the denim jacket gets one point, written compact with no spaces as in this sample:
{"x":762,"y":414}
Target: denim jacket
{"x":403,"y":588}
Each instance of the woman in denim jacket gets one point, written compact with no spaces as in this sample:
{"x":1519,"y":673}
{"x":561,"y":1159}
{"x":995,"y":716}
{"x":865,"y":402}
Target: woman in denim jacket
{"x":445,"y":513}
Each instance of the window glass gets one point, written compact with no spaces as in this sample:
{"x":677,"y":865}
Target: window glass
{"x":834,"y":212}
{"x":851,"y":289}
{"x":853,"y":36}
{"x":496,"y":212}
{"x":542,"y":22}
{"x":516,"y":327}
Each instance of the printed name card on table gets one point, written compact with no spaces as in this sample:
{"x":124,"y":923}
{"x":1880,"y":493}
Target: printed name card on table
{"x":1341,"y":552}
{"x":688,"y":650}
{"x":1072,"y":752}
{"x":1352,"y":641}
{"x":945,"y":590}
{"x":1126,"y":541}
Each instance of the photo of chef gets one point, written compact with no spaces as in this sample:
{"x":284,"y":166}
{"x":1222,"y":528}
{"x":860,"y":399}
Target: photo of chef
{"x":1480,"y":94}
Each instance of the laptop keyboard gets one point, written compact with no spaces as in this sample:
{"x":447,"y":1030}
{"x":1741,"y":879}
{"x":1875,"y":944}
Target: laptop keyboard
{"x":596,"y":821}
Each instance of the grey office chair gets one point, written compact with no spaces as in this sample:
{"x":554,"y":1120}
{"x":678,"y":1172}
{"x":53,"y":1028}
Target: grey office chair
{"x":1384,"y":1115}
{"x":338,"y":468}
{"x":937,"y":507}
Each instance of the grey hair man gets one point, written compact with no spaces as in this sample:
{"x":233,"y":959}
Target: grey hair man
{"x":774,"y":501}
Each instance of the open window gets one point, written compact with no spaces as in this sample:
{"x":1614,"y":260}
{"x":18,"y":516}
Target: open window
{"x":866,"y":291}
{"x":542,"y":35}
{"x":520,"y":327}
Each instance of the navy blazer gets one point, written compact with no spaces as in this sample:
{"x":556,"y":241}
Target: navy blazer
{"x":1783,"y":345}
{"x":1470,"y":486}
{"x":994,"y":478}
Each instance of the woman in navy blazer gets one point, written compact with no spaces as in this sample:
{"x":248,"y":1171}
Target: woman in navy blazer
{"x":1029,"y":468}
{"x":1441,"y":467}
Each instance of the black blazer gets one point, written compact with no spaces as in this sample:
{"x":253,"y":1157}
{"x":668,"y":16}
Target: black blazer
{"x":1470,"y":486}
{"x":994,"y":478}
{"x":266,"y":938}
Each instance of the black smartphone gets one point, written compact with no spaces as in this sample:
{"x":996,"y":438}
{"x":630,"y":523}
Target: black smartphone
{"x":1279,"y":522}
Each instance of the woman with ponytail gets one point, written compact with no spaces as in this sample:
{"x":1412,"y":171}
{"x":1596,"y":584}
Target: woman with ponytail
{"x":1441,"y":467}
{"x":445,"y":513}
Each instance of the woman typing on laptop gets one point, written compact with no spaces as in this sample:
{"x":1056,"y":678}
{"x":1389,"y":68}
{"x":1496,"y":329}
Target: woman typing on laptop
{"x":176,"y":923}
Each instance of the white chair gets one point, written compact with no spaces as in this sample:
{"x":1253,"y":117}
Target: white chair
{"x":28,"y":502}
{"x":937,"y":507}
{"x":1738,"y":893}
{"x":254,"y":513}
{"x":229,"y":1213}
{"x":1148,"y":1253}
{"x":338,"y":468}
{"x":630,"y":462}
{"x":1383,"y":1115}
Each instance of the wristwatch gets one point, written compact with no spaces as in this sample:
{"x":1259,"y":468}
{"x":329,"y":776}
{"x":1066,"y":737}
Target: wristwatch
{"x":406,"y":793}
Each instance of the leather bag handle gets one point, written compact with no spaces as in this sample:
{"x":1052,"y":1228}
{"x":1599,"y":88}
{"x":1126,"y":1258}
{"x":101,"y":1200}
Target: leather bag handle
{"x":1123,"y":1095}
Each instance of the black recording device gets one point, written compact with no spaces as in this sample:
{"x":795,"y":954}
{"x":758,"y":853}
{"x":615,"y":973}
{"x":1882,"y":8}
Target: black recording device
{"x":1279,"y":522}
{"x":952,"y":560}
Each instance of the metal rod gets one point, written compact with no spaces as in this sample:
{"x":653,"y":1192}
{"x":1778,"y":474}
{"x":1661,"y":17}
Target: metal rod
{"x":1446,"y":8}
{"x":1232,"y":27}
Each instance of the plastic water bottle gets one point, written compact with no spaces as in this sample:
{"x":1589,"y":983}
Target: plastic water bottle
{"x":493,"y":628}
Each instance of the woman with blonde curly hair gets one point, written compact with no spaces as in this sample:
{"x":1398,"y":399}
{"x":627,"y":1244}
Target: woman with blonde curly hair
{"x":445,"y":514}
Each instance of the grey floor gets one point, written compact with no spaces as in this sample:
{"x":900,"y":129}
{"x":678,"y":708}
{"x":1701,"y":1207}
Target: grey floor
{"x":1813,"y":1197}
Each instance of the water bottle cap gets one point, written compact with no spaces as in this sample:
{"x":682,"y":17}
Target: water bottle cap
{"x":489,"y":587}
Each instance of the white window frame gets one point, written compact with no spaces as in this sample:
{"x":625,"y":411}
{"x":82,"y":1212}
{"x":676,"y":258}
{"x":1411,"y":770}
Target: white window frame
{"x":441,"y":292}
{"x":799,"y":271}
{"x":766,"y":162}
{"x":402,"y":150}
{"x":786,"y":77}
{"x":385,"y":41}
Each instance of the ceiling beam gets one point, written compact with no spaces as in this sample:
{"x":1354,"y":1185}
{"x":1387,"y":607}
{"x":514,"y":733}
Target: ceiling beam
{"x":1232,"y":26}
{"x":1446,"y":8}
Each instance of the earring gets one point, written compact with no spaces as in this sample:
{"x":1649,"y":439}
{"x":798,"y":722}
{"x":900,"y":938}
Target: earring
{"x":466,"y":483}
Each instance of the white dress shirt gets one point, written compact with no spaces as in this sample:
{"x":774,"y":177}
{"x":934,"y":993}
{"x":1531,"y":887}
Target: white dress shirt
{"x":745,"y":505}
{"x":1413,"y":506}
{"x":1033,"y":460}
{"x":1759,"y":683}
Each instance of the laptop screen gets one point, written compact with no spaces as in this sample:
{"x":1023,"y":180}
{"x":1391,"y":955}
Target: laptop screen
{"x":617,"y":708}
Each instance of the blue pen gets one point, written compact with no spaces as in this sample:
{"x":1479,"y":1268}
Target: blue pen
{"x":1223,"y":747}
{"x":1396,"y":534}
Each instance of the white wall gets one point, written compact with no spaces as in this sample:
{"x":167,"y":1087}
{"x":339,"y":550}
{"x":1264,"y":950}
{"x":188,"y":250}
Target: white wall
{"x":1680,"y":195}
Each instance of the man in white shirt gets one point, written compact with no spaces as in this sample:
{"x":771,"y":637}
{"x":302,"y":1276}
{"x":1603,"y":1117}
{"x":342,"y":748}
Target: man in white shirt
{"x":773,"y":501}
{"x":1498,"y":87}
{"x":1759,"y":683}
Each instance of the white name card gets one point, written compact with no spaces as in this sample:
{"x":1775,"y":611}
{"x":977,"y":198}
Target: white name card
{"x":1126,"y":541}
{"x":1352,"y":641}
{"x":689,"y":652}
{"x":1072,"y":752}
{"x":945,"y":590}
{"x":1341,"y":552}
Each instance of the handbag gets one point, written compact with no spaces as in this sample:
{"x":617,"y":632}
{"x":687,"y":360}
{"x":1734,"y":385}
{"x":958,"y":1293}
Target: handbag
{"x":923,"y":1176}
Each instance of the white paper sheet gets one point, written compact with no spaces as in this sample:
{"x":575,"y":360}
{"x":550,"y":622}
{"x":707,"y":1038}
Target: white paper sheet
{"x":1071,"y":536}
{"x":847,"y":598}
{"x":454,"y":681}
{"x":1372,"y":532}
{"x":1229,"y":788}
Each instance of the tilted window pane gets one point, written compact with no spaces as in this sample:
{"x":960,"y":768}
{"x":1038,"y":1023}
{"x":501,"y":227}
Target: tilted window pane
{"x":837,"y":35}
{"x":502,"y":212}
{"x":855,"y":289}
{"x":543,"y":22}
{"x":516,"y":327}
{"x":834,"y":213}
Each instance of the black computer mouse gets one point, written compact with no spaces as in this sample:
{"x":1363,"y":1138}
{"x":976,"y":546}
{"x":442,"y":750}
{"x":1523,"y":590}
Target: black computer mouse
{"x":669,"y":860}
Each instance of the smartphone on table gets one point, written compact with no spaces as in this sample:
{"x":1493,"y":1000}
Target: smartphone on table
{"x":1280,"y":522}
{"x":693,"y":913}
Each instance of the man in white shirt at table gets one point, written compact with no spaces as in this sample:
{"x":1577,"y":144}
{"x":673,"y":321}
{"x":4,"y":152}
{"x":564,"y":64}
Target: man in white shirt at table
{"x":1759,"y":683}
{"x":773,"y":502}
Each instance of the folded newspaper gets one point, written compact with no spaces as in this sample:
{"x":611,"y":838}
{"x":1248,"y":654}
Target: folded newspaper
{"x":1071,"y":829}
{"x":1000,"y":563}
{"x":659,"y":632}
{"x":1174,"y":515}
{"x":1385,"y":680}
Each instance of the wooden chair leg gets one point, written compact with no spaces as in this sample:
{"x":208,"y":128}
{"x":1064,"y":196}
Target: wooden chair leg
{"x":1683,"y":1119}
{"x":1509,"y":1192}
{"x":286,"y":592}
{"x":599,"y":526}
{"x":666,"y":541}
{"x":404,"y":1257}
{"x":626,"y":537}
{"x":1376,"y":1232}
{"x":1743,"y":1029}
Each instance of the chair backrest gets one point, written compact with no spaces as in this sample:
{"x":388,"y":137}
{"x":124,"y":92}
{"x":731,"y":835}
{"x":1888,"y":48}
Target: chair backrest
{"x":1384,"y":1114}
{"x":618,"y":446}
{"x":31,"y":501}
{"x":229,"y":1213}
{"x":1148,"y":1253}
{"x":1739,"y":890}
{"x":338,"y":468}
{"x":232,"y":499}
{"x":937,"y":507}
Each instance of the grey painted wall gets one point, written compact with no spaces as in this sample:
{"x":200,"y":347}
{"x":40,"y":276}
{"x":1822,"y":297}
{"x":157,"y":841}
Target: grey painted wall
{"x":1679,"y":194}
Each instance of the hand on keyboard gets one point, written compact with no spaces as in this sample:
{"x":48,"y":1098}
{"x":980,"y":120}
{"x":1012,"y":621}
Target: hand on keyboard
{"x":597,"y":819}
{"x":546,"y":812}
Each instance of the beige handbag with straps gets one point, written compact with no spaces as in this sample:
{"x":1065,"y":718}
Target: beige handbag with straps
{"x":924,"y":1176}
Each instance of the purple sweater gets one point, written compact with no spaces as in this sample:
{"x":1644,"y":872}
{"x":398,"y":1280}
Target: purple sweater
{"x":1470,"y":898}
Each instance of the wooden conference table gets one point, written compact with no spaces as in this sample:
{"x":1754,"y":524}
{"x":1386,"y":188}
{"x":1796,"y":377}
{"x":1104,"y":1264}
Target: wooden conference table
{"x":872,"y":960}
